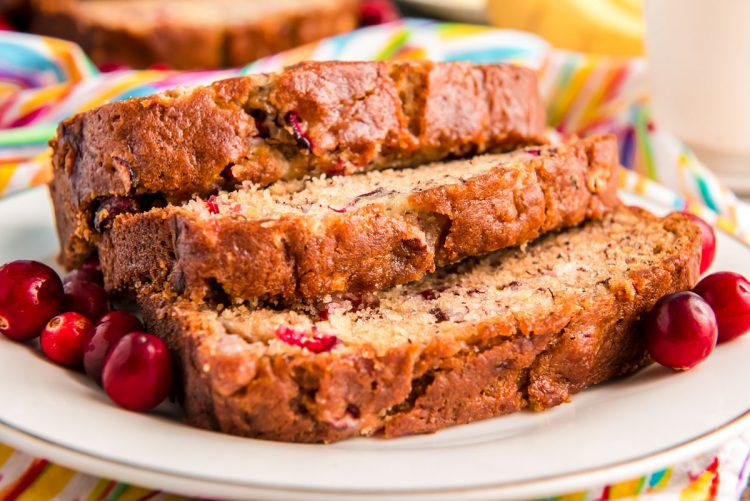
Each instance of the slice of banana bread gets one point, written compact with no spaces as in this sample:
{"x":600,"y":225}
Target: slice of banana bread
{"x":190,"y":34}
{"x":301,"y":240}
{"x":515,"y":329}
{"x":330,"y":117}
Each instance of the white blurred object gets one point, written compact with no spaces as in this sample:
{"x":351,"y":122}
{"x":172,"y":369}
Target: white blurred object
{"x":467,"y":11}
{"x":699,"y":61}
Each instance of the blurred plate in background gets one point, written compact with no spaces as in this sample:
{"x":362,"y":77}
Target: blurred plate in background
{"x":468,"y":11}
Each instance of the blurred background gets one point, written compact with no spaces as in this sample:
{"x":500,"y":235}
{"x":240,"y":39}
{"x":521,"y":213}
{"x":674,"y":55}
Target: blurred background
{"x":698,"y":51}
{"x":158,"y":31}
{"x":670,"y":78}
{"x":613,"y":27}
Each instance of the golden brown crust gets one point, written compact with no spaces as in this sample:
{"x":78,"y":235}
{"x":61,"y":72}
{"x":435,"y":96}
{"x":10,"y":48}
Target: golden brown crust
{"x":301,"y":257}
{"x":602,"y":342}
{"x":500,"y":365}
{"x":173,"y":35}
{"x":188,"y":143}
{"x":356,"y":111}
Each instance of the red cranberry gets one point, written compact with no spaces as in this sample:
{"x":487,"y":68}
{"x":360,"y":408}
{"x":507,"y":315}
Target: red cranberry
{"x":302,"y":138}
{"x":708,"y":241}
{"x":121,"y":318}
{"x":337,"y":170}
{"x":160,"y":67}
{"x":92,"y":263}
{"x":728,"y":294}
{"x":211,"y":205}
{"x":373,"y":12}
{"x":5,"y":25}
{"x":108,"y":331}
{"x":324,"y":312}
{"x":64,"y":336}
{"x":681,"y":330}
{"x":86,"y":298}
{"x":84,"y":275}
{"x":110,"y":66}
{"x":110,"y":208}
{"x":439,"y":314}
{"x":313,"y":341}
{"x":30,"y":294}
{"x":429,"y":294}
{"x":138,"y":372}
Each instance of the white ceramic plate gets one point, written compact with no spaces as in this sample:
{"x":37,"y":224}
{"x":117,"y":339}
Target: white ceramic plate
{"x":467,"y":11}
{"x":618,"y":430}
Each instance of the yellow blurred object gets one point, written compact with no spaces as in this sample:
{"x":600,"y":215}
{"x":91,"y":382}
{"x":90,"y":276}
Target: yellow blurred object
{"x":613,"y":27}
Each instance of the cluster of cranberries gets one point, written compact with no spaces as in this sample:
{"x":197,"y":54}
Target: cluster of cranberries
{"x":683,"y":328}
{"x":71,"y":317}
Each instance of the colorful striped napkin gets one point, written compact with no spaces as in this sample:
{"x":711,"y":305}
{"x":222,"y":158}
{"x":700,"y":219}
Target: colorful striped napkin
{"x":44,"y":80}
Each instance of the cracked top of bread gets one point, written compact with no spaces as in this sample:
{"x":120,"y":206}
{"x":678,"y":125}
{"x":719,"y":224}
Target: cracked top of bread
{"x":311,"y":118}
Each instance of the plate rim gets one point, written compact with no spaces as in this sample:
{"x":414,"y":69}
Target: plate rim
{"x":100,"y":465}
{"x":563,"y":483}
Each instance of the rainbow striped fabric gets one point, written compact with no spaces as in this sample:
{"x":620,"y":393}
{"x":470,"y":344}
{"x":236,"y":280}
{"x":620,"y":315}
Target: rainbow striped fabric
{"x":44,"y":80}
{"x":715,"y":476}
